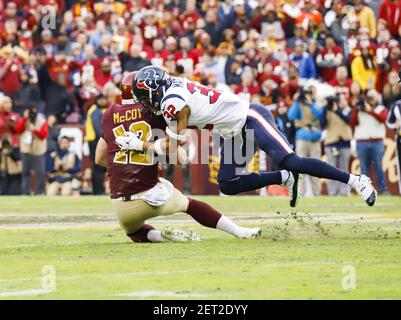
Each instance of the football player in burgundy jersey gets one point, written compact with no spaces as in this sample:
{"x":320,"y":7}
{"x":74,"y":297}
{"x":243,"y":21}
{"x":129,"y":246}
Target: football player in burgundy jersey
{"x":136,"y":190}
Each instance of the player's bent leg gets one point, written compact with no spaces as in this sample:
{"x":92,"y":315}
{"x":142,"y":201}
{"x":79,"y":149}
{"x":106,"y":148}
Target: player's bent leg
{"x":270,"y":140}
{"x":132,"y":215}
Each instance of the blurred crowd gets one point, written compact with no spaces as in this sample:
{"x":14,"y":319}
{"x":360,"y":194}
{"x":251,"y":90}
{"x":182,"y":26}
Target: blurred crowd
{"x":328,"y":69}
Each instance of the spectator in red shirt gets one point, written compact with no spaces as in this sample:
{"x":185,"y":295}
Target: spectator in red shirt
{"x":391,"y":62}
{"x":390,"y":12}
{"x":342,"y":82}
{"x":10,"y":14}
{"x":187,"y":57}
{"x":8,"y":120}
{"x":329,"y":58}
{"x":248,"y":88}
{"x":10,"y":66}
{"x":158,"y":55}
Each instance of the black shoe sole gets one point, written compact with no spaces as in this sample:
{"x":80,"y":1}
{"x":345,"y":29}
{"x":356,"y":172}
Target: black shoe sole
{"x":293,"y":201}
{"x":372,"y":199}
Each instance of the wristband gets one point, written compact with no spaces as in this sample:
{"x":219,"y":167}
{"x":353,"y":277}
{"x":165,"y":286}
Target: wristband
{"x":158,"y":147}
{"x":175,"y":136}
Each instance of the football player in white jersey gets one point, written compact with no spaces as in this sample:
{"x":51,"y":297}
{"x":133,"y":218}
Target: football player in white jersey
{"x":184,"y":103}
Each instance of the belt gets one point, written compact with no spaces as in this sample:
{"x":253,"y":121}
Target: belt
{"x":130,"y":198}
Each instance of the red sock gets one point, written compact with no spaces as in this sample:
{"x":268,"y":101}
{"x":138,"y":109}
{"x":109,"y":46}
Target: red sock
{"x":205,"y":214}
{"x":141,"y":234}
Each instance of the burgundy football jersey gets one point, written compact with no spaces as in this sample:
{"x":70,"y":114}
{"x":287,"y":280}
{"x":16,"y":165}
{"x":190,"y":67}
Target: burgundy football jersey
{"x":129,"y":172}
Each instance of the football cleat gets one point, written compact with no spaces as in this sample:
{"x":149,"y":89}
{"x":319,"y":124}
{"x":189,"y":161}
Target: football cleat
{"x":292,"y":184}
{"x":366,"y":190}
{"x":175,"y":235}
{"x":250,"y":233}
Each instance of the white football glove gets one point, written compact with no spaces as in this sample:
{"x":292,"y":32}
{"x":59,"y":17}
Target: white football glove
{"x":129,"y":141}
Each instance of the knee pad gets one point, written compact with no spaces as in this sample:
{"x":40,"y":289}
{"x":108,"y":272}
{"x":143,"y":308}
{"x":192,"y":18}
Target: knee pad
{"x":229,"y":187}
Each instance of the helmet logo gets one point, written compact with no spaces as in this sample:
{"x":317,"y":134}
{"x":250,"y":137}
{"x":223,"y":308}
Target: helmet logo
{"x":148,"y":80}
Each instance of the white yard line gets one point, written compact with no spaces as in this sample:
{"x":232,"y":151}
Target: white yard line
{"x":328,"y":218}
{"x":151,"y":294}
{"x":29,"y":292}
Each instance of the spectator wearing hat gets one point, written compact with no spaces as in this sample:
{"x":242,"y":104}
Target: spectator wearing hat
{"x":63,"y":167}
{"x":303,"y":61}
{"x":368,"y":119}
{"x":364,"y":67}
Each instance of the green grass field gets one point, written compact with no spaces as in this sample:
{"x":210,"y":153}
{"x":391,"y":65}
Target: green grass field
{"x":301,"y":255}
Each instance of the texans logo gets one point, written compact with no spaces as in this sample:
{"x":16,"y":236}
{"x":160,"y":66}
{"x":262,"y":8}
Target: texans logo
{"x":149,"y":80}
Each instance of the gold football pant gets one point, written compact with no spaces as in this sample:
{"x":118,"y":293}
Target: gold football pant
{"x":133,"y":214}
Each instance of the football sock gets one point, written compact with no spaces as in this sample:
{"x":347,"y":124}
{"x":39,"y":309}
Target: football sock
{"x":284,"y":176}
{"x":250,"y":182}
{"x":352,"y":179}
{"x":203,"y":213}
{"x":225,"y":224}
{"x":314,"y":167}
{"x":141,"y":235}
{"x":155,"y":236}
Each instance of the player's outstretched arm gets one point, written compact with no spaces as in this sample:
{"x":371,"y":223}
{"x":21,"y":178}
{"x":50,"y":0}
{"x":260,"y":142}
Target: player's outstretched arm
{"x":101,"y":153}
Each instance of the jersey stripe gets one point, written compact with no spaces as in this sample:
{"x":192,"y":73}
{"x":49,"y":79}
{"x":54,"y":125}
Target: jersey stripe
{"x":270,"y":129}
{"x":172,"y":95}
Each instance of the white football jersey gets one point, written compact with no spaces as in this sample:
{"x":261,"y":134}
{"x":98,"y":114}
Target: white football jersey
{"x":224,"y":112}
